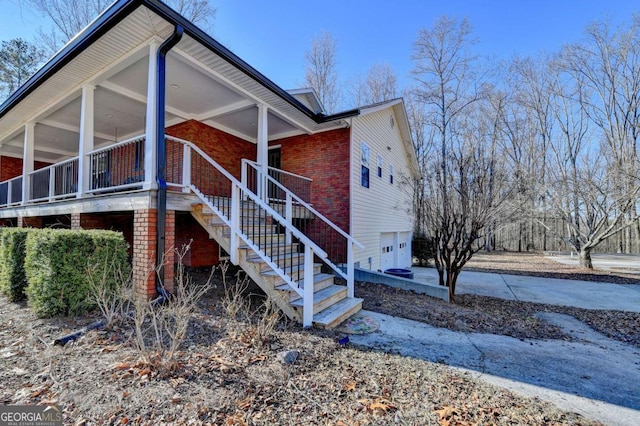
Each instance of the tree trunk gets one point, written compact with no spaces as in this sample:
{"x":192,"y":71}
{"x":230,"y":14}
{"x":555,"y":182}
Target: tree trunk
{"x":585,"y":258}
{"x":451,"y":283}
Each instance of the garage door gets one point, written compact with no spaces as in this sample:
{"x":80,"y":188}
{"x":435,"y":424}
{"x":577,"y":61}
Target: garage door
{"x":387,"y":250}
{"x":404,"y":250}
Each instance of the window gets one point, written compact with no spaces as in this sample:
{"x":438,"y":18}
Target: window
{"x":364,"y":176}
{"x":391,"y":175}
{"x":365,"y":155}
{"x":379,"y":166}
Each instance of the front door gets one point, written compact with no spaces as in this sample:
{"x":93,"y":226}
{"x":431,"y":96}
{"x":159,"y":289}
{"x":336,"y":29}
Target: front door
{"x":274,"y":161}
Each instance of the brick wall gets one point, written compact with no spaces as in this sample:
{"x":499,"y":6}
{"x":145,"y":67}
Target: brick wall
{"x":11,"y":167}
{"x":323,"y":157}
{"x":227,"y":150}
{"x":204,"y":251}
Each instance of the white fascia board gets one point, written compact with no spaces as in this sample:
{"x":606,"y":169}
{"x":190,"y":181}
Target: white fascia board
{"x":369,"y":110}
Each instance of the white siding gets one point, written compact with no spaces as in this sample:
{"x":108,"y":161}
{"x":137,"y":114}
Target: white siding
{"x":383,"y":207}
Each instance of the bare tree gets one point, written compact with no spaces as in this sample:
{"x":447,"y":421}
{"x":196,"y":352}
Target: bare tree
{"x":380,"y":84}
{"x":19,"y":59}
{"x":320,"y":71}
{"x":608,"y":64}
{"x":463,"y":188}
{"x":584,"y":187}
{"x":69,"y":17}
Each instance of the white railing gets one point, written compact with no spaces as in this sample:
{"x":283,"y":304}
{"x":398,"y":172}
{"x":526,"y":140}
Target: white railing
{"x":118,"y":166}
{"x":250,"y":218}
{"x":338,"y":244}
{"x":59,"y":180}
{"x":299,"y":185}
{"x":11,"y":192}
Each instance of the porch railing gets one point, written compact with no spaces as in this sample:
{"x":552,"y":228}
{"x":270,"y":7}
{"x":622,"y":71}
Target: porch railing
{"x":11,"y":192}
{"x":59,"y":180}
{"x":116,"y":167}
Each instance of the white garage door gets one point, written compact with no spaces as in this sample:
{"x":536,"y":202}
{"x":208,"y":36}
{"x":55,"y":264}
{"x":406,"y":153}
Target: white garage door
{"x":404,"y":250}
{"x":387,"y":250}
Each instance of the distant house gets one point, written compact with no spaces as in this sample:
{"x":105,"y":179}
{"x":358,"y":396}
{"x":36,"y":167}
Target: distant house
{"x":145,"y":124}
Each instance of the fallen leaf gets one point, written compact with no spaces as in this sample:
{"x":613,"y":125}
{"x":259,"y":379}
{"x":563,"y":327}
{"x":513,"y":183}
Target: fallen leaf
{"x":350,"y":386}
{"x":256,"y":359}
{"x":245,"y":404}
{"x":123,"y":366}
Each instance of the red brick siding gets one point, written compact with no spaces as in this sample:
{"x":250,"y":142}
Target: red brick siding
{"x":204,"y":251}
{"x":11,"y":167}
{"x":227,"y":150}
{"x":323,"y":157}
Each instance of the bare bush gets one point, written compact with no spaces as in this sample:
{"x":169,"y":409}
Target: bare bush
{"x":161,"y":325}
{"x":114,"y":302}
{"x":251,"y":326}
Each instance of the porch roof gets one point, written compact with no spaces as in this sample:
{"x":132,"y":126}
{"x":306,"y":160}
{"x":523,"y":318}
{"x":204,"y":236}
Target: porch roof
{"x":206,"y":82}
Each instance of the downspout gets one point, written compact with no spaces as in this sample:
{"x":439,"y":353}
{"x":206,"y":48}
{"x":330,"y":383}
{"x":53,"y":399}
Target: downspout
{"x":161,"y":150}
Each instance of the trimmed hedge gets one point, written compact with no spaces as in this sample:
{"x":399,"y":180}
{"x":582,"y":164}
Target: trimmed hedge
{"x":12,"y":253}
{"x":57,"y":264}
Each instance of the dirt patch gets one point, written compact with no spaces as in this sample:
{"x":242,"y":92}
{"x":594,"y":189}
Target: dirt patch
{"x":225,"y":377}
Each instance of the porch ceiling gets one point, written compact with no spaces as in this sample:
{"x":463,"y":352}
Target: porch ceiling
{"x":200,"y":85}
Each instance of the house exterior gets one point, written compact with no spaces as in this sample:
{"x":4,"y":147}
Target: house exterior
{"x":146,"y":125}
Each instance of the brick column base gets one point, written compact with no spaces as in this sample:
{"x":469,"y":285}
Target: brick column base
{"x":75,"y":221}
{"x":144,"y":251}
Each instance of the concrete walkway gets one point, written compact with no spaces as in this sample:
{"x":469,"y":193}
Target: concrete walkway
{"x":595,"y":376}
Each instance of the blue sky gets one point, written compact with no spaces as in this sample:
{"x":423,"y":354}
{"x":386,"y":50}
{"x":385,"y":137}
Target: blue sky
{"x":273,"y":35}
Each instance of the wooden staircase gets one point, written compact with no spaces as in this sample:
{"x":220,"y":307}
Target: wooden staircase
{"x":331,"y":303}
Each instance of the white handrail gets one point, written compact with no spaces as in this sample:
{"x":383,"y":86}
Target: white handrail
{"x":62,"y":163}
{"x":303,"y":238}
{"x":116,"y":145}
{"x":280,"y":171}
{"x":308,"y":206}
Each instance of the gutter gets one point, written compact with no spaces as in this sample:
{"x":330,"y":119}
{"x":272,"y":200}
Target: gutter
{"x":161,"y":150}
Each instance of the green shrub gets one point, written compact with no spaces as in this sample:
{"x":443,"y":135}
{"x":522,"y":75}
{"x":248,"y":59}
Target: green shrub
{"x":57,"y":264}
{"x":12,"y":252}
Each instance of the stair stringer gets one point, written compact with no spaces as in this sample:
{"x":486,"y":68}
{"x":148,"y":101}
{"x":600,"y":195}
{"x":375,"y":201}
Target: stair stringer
{"x":253,"y":270}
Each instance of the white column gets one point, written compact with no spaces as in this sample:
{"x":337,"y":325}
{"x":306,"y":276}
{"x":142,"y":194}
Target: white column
{"x":28,"y":160}
{"x":262,"y":155}
{"x":85,"y":143}
{"x":150,"y":154}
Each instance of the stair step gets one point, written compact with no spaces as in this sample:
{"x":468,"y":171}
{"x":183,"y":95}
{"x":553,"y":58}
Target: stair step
{"x":338,"y":313}
{"x":296,"y":269}
{"x":320,"y":282}
{"x":276,"y":248}
{"x":283,"y":260}
{"x":324,"y":298}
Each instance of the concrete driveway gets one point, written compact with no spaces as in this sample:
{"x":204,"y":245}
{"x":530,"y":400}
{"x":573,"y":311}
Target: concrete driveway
{"x":580,"y":294}
{"x":593,"y":375}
